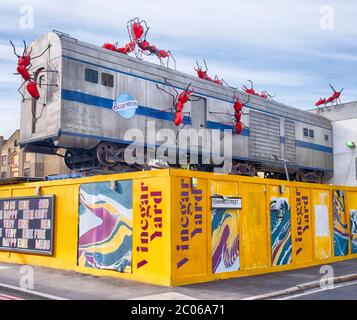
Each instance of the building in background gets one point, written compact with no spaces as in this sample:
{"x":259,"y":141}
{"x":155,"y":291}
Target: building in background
{"x":16,"y":163}
{"x":344,"y":128}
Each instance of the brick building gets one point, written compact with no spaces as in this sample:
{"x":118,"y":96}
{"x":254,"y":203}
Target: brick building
{"x":16,"y":163}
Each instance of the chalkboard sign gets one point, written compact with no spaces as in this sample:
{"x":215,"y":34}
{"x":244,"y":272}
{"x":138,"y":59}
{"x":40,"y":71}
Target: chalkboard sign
{"x":26,"y":224}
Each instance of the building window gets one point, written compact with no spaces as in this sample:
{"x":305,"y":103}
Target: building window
{"x":15,"y":159}
{"x":326,"y":137}
{"x":107,"y":80}
{"x":27,"y":172}
{"x":4,"y":160}
{"x":306,"y":132}
{"x":3,"y":174}
{"x":311,"y":133}
{"x":91,"y":75}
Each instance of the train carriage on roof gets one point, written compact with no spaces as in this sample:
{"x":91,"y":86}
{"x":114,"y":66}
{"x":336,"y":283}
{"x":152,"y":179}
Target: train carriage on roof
{"x":84,"y":82}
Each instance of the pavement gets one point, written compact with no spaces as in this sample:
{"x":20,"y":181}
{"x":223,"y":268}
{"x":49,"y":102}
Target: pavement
{"x":59,"y":284}
{"x":343,"y":291}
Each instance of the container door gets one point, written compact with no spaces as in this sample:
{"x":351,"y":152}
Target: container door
{"x":254,"y":239}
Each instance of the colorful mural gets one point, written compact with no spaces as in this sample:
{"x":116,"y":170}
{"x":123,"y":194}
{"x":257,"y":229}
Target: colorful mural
{"x":353,"y":217}
{"x":105,"y":226}
{"x":280,"y":225}
{"x":340,"y":224}
{"x":225,"y":240}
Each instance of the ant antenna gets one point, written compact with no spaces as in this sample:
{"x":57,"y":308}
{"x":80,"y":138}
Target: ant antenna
{"x":13,"y":47}
{"x":25,"y":47}
{"x":205,"y":64}
{"x":333,"y":89}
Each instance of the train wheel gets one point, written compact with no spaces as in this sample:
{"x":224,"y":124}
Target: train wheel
{"x":68,"y":159}
{"x":103,"y":150}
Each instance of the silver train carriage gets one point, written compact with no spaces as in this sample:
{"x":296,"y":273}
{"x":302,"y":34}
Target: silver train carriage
{"x":81,"y":83}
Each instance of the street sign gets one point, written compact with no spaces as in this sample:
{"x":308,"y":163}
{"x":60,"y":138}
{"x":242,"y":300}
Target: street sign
{"x":226,"y":203}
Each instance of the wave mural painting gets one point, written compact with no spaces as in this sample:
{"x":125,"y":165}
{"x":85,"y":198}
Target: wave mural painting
{"x":106,"y":226}
{"x":353,"y":217}
{"x":280,"y":225}
{"x":340,"y":224}
{"x":225,"y":240}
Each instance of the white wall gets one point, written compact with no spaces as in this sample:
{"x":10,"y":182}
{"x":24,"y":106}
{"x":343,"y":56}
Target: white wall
{"x":344,"y":128}
{"x":344,"y":157}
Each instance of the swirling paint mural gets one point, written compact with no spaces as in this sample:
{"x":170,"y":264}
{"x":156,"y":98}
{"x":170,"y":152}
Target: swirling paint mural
{"x":225,"y":240}
{"x":105,"y":226}
{"x":340,"y":224}
{"x":280,"y":225}
{"x":353,"y":218}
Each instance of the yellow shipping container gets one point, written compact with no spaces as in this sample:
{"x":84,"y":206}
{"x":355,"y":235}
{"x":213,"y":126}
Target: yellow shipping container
{"x":174,"y":227}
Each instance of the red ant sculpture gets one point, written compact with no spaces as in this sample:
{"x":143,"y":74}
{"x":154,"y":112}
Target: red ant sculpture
{"x":204,"y":74}
{"x":179,"y":101}
{"x":23,"y":66}
{"x":238,"y":112}
{"x":137,"y":31}
{"x":263,"y":94}
{"x":334,"y":98}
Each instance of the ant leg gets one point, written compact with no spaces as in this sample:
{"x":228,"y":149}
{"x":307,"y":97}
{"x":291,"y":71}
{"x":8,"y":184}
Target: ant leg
{"x":173,"y":58}
{"x":49,"y":46}
{"x":19,"y":90}
{"x":173,"y":97}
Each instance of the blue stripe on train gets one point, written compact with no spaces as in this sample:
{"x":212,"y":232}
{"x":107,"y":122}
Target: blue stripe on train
{"x":163,"y":83}
{"x":84,"y":98}
{"x":96,"y":101}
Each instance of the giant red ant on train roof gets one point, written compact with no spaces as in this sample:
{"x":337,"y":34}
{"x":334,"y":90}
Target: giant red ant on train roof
{"x":137,"y":31}
{"x":204,"y":74}
{"x":333,"y":99}
{"x":251,"y":90}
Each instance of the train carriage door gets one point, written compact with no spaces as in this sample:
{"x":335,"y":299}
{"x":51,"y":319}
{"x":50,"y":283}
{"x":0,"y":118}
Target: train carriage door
{"x":199,"y":138}
{"x":289,"y":146}
{"x":198,"y":112}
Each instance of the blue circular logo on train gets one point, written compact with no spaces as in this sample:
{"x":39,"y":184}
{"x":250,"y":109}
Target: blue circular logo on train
{"x":125,"y":105}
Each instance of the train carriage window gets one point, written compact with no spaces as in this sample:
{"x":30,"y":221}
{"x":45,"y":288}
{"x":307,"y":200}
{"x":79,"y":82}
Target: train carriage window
{"x":91,"y":75}
{"x":107,"y":80}
{"x":326,"y":137}
{"x":306,"y":132}
{"x":311,"y":134}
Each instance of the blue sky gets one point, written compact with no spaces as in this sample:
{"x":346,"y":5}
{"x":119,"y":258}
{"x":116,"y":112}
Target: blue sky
{"x":279,"y":44}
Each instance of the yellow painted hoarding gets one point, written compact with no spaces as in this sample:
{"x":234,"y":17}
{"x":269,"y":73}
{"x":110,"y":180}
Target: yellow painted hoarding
{"x":176,"y":233}
{"x":189,"y":218}
{"x":302,"y":225}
